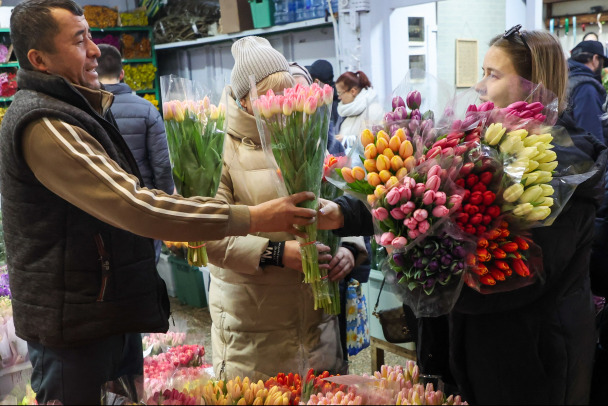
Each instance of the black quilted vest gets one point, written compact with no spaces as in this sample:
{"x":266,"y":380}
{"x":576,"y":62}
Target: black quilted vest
{"x":66,"y":290}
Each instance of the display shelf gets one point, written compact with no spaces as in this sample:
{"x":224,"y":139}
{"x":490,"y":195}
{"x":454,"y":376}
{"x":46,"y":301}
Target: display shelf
{"x":6,"y":99}
{"x":9,"y":65}
{"x":121,"y":29}
{"x":141,"y":60}
{"x":144,"y":91}
{"x":300,"y":25}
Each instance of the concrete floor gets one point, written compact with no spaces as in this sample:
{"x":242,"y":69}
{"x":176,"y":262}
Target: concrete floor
{"x":197,"y":323}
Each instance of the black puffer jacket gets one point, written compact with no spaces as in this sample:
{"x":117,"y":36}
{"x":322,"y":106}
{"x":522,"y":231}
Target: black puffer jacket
{"x":536,"y":345}
{"x":142,"y":127}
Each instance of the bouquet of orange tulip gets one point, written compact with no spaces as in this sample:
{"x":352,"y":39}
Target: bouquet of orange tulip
{"x":294,"y":129}
{"x":195,"y":134}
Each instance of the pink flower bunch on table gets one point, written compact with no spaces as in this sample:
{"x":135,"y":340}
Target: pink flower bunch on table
{"x":159,"y":341}
{"x":408,"y":210}
{"x":172,"y":397}
{"x":338,"y":398}
{"x":418,"y":394}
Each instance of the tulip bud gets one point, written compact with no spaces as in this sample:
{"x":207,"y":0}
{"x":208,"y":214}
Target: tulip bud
{"x":370,"y":165}
{"x":401,"y":134}
{"x":406,"y":149}
{"x":391,"y":182}
{"x":373,"y":179}
{"x":387,"y":238}
{"x":547,"y":202}
{"x":396,"y":163}
{"x":549,"y":156}
{"x":527,"y":152}
{"x":521,"y":133}
{"x":402,"y":172}
{"x":538,"y":213}
{"x":532,"y":165}
{"x":382,"y":163}
{"x":440,"y":211}
{"x":367,"y":138}
{"x":529,"y":178}
{"x":494,"y":133}
{"x":428,"y":197}
{"x":433,"y":183}
{"x":384,"y":135}
{"x":409,"y":163}
{"x":547,"y":190}
{"x":523,"y":209}
{"x":548,"y":166}
{"x":385,"y":175}
{"x":347,"y":175}
{"x":513,"y":192}
{"x":399,"y":242}
{"x":380,"y":213}
{"x":388,"y":153}
{"x":543,"y":177}
{"x":381,"y":145}
{"x":380,"y":191}
{"x":370,"y":151}
{"x":398,"y":102}
{"x":371,"y":199}
{"x":531,"y":194}
{"x":394,"y":143}
{"x":389,"y":117}
{"x":512,"y":145}
{"x":358,"y":173}
{"x":413,"y":99}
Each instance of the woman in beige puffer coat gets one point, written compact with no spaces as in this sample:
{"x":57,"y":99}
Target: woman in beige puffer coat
{"x":263,"y":317}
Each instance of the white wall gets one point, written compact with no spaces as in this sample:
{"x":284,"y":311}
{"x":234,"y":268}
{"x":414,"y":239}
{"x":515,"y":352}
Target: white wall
{"x":466,"y":19}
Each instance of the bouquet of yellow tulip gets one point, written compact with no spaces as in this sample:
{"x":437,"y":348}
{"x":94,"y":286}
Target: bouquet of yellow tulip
{"x":294,"y":128}
{"x":195,"y":134}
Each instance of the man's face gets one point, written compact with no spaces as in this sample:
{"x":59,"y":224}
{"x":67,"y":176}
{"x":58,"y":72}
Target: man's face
{"x":75,"y":55}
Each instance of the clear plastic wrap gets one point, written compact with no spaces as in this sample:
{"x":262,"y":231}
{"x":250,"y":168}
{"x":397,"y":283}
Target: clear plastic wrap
{"x":195,"y":130}
{"x":293,"y":129}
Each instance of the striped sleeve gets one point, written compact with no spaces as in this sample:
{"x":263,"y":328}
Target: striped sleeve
{"x":72,"y":164}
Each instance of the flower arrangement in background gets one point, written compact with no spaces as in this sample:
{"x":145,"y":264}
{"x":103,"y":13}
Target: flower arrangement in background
{"x":295,"y":130}
{"x":195,"y":135}
{"x":8,"y":84}
{"x":140,"y":76}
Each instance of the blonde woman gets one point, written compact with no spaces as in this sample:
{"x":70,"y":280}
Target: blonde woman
{"x":262,"y":313}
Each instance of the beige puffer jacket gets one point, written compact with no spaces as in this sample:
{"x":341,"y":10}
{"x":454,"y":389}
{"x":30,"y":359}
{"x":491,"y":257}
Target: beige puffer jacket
{"x":263,"y":317}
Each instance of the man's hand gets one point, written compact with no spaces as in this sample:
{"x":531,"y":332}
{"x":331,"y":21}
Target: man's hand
{"x":341,"y":265}
{"x":282,"y":214}
{"x":293,"y":259}
{"x":330,"y":215}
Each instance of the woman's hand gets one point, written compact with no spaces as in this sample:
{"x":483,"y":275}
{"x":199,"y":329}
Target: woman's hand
{"x":293,"y":259}
{"x":330,"y":216}
{"x":341,"y":265}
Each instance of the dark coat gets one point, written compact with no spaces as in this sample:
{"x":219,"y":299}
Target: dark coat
{"x":143,"y":129}
{"x":536,"y":345}
{"x":587,"y":100}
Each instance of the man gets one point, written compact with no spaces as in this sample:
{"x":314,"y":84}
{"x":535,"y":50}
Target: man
{"x":140,"y":124}
{"x":322,"y":73}
{"x":587,"y":96}
{"x":77,"y":223}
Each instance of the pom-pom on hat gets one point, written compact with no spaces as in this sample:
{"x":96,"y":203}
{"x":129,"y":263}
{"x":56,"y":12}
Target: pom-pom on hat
{"x":254,"y":56}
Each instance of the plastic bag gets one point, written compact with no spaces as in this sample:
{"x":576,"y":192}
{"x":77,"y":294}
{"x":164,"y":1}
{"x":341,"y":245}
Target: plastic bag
{"x":195,"y":134}
{"x":294,"y":128}
{"x":357,"y":326}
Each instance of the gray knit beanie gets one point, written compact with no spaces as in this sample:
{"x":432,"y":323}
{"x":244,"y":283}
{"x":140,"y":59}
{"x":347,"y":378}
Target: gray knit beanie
{"x":254,"y":56}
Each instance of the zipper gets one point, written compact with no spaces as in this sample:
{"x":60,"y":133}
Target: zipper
{"x":105,"y":267}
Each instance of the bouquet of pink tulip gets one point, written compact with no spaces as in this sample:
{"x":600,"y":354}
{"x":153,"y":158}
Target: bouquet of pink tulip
{"x":294,"y":128}
{"x":195,"y":134}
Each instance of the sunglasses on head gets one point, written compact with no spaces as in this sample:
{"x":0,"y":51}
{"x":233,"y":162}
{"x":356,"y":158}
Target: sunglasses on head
{"x":512,"y":31}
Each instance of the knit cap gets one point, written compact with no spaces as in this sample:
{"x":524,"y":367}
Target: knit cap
{"x":254,"y":56}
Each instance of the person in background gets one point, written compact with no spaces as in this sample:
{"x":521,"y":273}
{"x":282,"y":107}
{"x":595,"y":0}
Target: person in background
{"x":586,"y":94}
{"x":591,"y":36}
{"x":302,"y":76}
{"x":263,"y":317}
{"x":322,"y":73}
{"x":140,"y":124}
{"x":78,"y":225}
{"x":358,"y":107}
{"x":536,"y":344}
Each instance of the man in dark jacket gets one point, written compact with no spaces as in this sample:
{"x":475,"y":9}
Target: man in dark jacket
{"x":140,"y":124}
{"x":587,"y":96}
{"x":78,"y":226}
{"x":323,"y":74}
